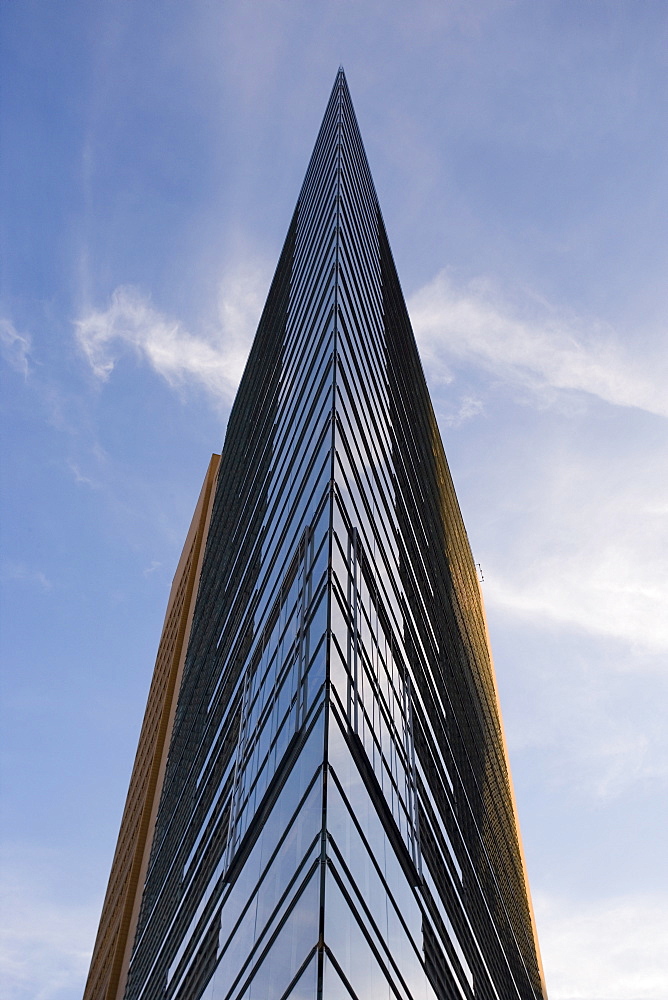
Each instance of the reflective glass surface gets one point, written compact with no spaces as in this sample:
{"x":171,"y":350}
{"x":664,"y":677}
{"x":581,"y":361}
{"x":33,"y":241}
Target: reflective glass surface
{"x":336,"y":818}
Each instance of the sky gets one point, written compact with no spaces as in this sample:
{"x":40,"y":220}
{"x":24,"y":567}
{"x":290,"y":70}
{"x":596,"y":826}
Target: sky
{"x":152,"y":157}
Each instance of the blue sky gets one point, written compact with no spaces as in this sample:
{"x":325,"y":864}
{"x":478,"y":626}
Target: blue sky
{"x":153,"y":153}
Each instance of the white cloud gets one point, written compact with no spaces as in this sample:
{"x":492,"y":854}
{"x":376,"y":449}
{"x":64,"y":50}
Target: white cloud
{"x":215,"y":362}
{"x":618,"y":761}
{"x":609,"y":949}
{"x":465,"y":409}
{"x":45,"y":942}
{"x":547,"y":352}
{"x":242,"y":294}
{"x":19,"y":572}
{"x":589,"y":552}
{"x":602,"y":591}
{"x":15,"y":346}
{"x":572,"y":546}
{"x":80,"y":478}
{"x":592,"y":732}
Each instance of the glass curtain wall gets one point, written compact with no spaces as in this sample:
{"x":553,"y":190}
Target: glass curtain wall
{"x":336,"y":819}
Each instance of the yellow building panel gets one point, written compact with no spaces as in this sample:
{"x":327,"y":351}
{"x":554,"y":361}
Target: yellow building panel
{"x":120,"y":911}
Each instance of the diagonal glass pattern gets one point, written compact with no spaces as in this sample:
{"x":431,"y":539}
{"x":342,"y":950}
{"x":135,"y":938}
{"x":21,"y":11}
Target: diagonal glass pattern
{"x":336,"y":817}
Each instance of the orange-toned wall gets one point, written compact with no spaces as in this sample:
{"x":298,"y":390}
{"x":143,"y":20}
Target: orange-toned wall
{"x":120,"y":911}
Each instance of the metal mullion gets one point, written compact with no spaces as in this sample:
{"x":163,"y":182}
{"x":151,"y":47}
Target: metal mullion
{"x":295,"y":431}
{"x":369,"y":373}
{"x":311,"y":235}
{"x":316,"y":167}
{"x":375,"y":446}
{"x":234,"y":804}
{"x":310,"y":307}
{"x":359,"y":302}
{"x":364,"y":206}
{"x":374,"y":306}
{"x":283,"y":495}
{"x":278,"y":546}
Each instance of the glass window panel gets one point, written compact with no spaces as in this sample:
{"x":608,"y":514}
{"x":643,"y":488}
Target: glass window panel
{"x":317,"y":625}
{"x":211,"y":992}
{"x":307,"y":427}
{"x":339,"y":523}
{"x":338,"y":674}
{"x":319,"y":564}
{"x":248,"y":937}
{"x":339,"y":624}
{"x":315,"y":677}
{"x":339,"y":563}
{"x":297,"y":465}
{"x":387,"y":931}
{"x":333,"y":987}
{"x":350,"y":947}
{"x":320,"y":527}
{"x":445,"y":917}
{"x":287,"y":860}
{"x":307,"y":985}
{"x":281,"y":816}
{"x":295,"y":939}
{"x":361,"y":807}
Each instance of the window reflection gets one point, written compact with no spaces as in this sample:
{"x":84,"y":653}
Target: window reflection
{"x":334,"y":988}
{"x":307,"y":985}
{"x":349,"y":945}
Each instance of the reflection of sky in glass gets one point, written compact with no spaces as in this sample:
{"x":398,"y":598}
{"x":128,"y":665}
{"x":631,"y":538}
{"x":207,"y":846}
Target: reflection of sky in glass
{"x":343,"y":526}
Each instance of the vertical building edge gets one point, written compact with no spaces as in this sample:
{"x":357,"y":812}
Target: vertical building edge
{"x":120,"y":911}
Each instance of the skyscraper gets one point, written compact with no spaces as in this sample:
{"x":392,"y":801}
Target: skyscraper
{"x":335,"y":816}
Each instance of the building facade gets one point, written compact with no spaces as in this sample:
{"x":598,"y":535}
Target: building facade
{"x":118,"y":923}
{"x":336,"y":817}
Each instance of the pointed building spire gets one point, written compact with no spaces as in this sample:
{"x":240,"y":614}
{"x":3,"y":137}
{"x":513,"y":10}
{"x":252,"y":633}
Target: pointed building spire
{"x":336,"y":816}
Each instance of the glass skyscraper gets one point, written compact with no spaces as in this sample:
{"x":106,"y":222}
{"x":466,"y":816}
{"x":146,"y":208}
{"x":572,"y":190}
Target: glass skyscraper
{"x":329,"y":813}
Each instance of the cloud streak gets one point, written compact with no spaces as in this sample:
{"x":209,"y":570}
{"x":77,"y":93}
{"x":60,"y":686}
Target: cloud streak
{"x":131,"y":321}
{"x":16,"y":347}
{"x":589,"y":552}
{"x":18,"y":572}
{"x":541,"y":353}
{"x":608,"y":949}
{"x":213,"y":362}
{"x":544,"y":354}
{"x":45,"y":943}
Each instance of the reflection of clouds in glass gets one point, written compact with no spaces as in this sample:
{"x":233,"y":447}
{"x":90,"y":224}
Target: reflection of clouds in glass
{"x":262,"y":881}
{"x":342,"y":930}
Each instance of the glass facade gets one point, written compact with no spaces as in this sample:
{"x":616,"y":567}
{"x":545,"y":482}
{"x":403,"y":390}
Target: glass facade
{"x":336,"y":818}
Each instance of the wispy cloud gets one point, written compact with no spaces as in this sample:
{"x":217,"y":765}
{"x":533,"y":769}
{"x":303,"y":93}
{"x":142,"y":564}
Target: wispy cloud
{"x":45,"y":942}
{"x":606,"y":949}
{"x":132,"y":321}
{"x":213,"y":361}
{"x":589,"y":552}
{"x":461,"y":410}
{"x":543,"y":351}
{"x":80,"y":478}
{"x":580,"y":722}
{"x":20,"y":573}
{"x":16,"y":347}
